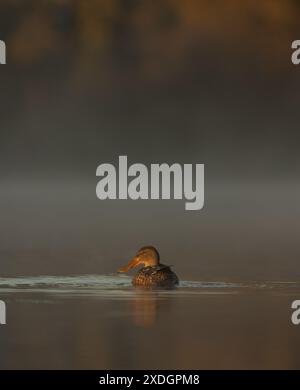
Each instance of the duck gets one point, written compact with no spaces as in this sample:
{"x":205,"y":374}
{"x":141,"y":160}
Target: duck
{"x":153,"y":273}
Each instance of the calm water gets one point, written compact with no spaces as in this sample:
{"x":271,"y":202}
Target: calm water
{"x":102,"y":322}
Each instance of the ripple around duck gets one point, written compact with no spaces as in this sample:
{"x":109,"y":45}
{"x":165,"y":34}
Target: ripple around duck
{"x":119,"y":286}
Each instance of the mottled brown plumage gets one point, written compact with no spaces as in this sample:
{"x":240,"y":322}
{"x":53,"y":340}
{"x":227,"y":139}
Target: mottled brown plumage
{"x":159,"y":276}
{"x":153,"y":274}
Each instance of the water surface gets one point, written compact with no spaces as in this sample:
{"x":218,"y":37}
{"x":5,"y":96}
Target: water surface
{"x":103,"y":322}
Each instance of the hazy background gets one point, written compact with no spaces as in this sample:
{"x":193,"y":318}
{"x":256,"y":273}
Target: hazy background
{"x":160,"y":81}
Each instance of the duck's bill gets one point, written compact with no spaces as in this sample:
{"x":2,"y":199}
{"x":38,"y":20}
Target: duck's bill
{"x":133,"y":263}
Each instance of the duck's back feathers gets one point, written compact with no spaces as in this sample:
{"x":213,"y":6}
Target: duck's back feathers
{"x":157,"y":276}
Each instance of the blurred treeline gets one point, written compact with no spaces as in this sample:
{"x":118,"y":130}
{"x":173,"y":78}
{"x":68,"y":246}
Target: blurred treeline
{"x":103,"y":42}
{"x":198,"y":73}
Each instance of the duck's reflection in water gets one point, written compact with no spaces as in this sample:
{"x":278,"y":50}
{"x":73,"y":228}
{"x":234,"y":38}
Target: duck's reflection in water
{"x":147,"y":306}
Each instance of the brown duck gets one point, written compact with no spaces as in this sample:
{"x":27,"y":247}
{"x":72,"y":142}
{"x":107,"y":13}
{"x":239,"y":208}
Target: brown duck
{"x":153,"y":273}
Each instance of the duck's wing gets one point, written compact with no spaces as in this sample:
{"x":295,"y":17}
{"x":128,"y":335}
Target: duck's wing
{"x":163,"y":267}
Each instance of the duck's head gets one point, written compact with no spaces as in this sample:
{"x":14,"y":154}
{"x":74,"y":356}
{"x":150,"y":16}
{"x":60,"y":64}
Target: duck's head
{"x":148,"y":256}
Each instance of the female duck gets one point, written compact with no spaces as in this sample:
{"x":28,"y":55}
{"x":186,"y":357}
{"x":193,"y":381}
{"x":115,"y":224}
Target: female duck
{"x":153,"y":273}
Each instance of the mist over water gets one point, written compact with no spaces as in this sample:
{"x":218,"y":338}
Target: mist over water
{"x":246,"y":231}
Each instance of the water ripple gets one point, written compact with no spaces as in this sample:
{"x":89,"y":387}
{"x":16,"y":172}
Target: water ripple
{"x":119,"y":286}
